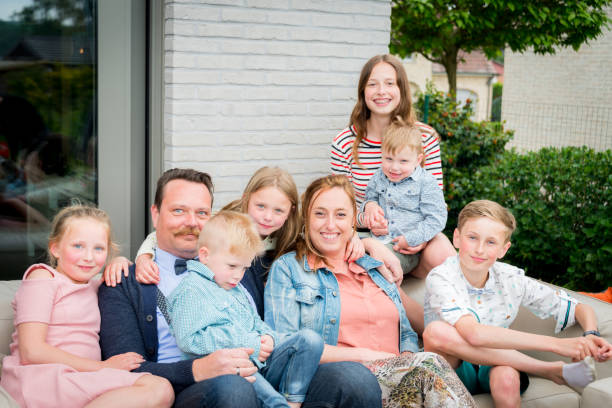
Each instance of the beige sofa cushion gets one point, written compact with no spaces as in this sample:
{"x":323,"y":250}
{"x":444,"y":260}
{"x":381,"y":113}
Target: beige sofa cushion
{"x":7,"y":293}
{"x":540,"y":394}
{"x":598,"y":394}
{"x":6,"y":401}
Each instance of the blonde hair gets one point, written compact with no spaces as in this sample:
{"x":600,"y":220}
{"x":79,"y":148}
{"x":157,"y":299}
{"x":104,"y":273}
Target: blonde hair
{"x":361,"y":112}
{"x":489,"y":209}
{"x":320,"y":185}
{"x":61,"y":223}
{"x":400,"y":135}
{"x":273,"y":177}
{"x":232,"y":230}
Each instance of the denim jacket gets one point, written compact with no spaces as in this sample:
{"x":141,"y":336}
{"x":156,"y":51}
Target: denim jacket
{"x":296,"y":297}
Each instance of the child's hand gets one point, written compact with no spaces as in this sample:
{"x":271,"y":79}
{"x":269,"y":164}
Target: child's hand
{"x":576,"y":348}
{"x":601,"y":350}
{"x":354,"y":249}
{"x":112,"y":272}
{"x":402,"y":246}
{"x":147,"y":271}
{"x":374,"y":217}
{"x":126,"y":361}
{"x":267,"y":345}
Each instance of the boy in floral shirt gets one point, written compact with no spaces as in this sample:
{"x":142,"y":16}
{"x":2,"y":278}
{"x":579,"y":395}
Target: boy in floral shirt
{"x":472,"y":299}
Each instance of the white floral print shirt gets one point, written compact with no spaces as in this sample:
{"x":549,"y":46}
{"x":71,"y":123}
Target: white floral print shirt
{"x":450,"y":296}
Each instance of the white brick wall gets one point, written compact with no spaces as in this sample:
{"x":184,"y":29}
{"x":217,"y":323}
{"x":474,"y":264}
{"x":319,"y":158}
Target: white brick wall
{"x":250,"y":83}
{"x":562,"y":99}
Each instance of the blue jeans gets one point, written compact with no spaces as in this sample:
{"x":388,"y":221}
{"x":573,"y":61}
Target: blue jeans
{"x":226,"y":391}
{"x":289,"y":369}
{"x":335,"y":385}
{"x":344,"y":384}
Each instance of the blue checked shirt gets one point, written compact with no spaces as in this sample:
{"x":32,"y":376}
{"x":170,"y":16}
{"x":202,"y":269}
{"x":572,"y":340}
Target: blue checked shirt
{"x":414,"y":207}
{"x":206,"y":317}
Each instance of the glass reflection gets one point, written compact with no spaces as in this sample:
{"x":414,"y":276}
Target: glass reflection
{"x":47,"y":121}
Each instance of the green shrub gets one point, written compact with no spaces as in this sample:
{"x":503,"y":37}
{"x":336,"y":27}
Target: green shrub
{"x":561,"y":198}
{"x":562,"y":201}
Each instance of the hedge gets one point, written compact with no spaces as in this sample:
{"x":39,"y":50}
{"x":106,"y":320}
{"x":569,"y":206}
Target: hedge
{"x":561,"y":198}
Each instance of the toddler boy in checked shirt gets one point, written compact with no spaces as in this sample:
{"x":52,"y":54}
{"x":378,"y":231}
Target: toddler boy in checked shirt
{"x":210,"y":310}
{"x":471,"y":300}
{"x":403,"y":203}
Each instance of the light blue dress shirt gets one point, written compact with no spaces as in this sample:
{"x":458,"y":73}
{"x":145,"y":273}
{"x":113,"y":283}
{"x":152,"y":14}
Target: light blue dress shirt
{"x":168,"y":350}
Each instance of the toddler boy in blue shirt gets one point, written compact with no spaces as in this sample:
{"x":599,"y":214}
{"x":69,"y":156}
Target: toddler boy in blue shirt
{"x":210,"y":310}
{"x":402,"y":198}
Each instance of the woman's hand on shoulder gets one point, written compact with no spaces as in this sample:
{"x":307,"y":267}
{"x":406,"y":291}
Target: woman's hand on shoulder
{"x":354,"y":249}
{"x":116,"y":267}
{"x":147,"y":271}
{"x":126,"y":361}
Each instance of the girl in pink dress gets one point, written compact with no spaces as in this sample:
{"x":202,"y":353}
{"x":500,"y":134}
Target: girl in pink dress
{"x":55,"y":356}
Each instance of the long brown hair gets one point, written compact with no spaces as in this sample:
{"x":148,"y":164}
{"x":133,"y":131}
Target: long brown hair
{"x":274,"y":177}
{"x":304,"y":244}
{"x":361,"y":112}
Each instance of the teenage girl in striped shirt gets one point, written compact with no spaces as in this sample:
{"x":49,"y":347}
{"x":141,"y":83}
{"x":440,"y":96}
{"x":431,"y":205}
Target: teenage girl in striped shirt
{"x":383,"y":93}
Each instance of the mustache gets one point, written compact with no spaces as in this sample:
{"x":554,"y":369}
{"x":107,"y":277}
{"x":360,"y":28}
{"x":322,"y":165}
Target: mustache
{"x":188,"y":231}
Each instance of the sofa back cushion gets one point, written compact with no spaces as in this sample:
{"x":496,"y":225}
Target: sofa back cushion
{"x":7,"y":293}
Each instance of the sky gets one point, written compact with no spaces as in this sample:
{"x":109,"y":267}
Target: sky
{"x":7,"y":7}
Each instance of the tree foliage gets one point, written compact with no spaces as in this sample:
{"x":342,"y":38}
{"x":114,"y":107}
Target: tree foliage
{"x":438,"y":29}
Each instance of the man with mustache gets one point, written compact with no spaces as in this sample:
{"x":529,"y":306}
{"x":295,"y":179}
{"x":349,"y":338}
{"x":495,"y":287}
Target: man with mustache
{"x":133,"y":313}
{"x":134,"y":317}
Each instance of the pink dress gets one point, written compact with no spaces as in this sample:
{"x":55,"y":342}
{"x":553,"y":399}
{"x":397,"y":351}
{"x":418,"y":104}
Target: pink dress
{"x":71,"y":311}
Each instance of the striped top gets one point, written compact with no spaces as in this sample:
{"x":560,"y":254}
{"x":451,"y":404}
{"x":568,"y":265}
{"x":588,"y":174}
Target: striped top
{"x":370,"y":158}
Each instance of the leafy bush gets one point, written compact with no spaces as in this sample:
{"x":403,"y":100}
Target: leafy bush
{"x":562,"y":201}
{"x":561,"y":198}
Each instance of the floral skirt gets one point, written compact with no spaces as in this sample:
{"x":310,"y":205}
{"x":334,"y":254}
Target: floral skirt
{"x":419,"y":380}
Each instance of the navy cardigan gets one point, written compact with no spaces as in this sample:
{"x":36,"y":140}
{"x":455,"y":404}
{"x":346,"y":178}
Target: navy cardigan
{"x":129,"y":323}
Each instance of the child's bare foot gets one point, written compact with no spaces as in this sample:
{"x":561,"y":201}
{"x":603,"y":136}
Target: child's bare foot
{"x":580,"y":374}
{"x":294,"y":404}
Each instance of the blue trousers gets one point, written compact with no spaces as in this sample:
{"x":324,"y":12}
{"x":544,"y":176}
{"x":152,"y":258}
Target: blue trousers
{"x":289,"y":369}
{"x":334,"y":385}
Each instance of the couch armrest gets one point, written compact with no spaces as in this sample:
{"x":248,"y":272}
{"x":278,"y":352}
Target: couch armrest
{"x":6,"y":401}
{"x":598,"y":394}
{"x":528,"y":322}
{"x":7,"y":293}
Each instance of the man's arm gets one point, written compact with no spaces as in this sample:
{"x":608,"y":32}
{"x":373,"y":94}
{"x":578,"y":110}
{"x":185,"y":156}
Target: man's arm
{"x":122,"y":316}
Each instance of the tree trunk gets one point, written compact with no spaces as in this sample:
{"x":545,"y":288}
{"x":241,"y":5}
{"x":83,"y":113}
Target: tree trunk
{"x":449,"y":61}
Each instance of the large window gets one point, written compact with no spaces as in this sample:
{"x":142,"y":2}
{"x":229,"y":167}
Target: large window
{"x":48,"y":144}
